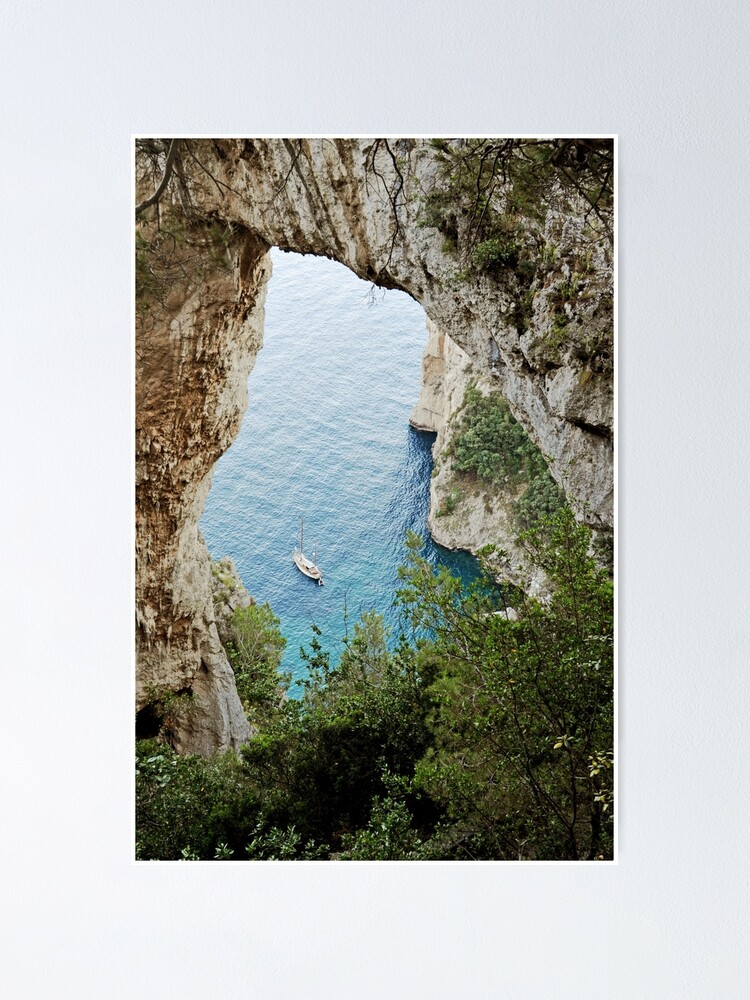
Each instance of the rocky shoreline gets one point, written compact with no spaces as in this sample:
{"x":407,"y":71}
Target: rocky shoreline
{"x":464,"y":513}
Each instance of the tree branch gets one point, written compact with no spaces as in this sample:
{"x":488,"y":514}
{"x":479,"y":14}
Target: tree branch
{"x":168,"y":167}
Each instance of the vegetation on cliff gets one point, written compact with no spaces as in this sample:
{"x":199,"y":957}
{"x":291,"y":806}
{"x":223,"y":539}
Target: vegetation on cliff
{"x":176,"y":247}
{"x":484,"y":734}
{"x":489,"y":444}
{"x":490,"y":193}
{"x":503,"y":208}
{"x":254,"y":646}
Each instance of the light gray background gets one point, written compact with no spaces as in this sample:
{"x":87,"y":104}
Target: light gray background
{"x":671,"y":920}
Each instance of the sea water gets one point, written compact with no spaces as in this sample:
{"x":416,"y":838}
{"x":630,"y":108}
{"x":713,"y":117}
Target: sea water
{"x":326,"y":437}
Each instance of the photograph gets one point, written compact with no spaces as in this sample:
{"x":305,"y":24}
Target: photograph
{"x":375,"y":481}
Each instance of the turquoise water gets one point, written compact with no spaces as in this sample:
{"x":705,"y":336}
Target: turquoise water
{"x":326,"y":436}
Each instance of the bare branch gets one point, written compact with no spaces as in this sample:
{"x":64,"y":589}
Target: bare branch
{"x":168,"y":167}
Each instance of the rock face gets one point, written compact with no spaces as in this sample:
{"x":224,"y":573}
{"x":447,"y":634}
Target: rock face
{"x":228,"y":592}
{"x":360,"y":202}
{"x":446,"y":371}
{"x":193,"y":359}
{"x":464,"y":516}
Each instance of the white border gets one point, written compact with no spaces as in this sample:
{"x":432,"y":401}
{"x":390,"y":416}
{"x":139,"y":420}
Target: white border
{"x":672,"y":920}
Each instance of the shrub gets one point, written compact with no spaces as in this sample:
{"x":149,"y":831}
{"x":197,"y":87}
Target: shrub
{"x":496,"y":251}
{"x":490,"y":443}
{"x":520,"y":760}
{"x":450,"y":503}
{"x":255,"y":647}
{"x":485,"y":737}
{"x":190,"y":804}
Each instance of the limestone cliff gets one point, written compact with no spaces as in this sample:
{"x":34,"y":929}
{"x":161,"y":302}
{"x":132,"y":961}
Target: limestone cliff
{"x":532,"y":313}
{"x":464,"y":514}
{"x":446,"y":371}
{"x":195,"y":349}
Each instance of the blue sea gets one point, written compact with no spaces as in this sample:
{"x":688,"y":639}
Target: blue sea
{"x":326,"y":437}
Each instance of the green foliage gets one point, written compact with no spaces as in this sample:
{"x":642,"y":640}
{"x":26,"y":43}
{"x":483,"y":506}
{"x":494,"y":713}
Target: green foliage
{"x":388,"y":836}
{"x":276,"y":844}
{"x":255,"y":647}
{"x":366,"y":661}
{"x":225,"y":578}
{"x":490,"y":443}
{"x":604,"y":551}
{"x":450,"y":503}
{"x":189,"y":804}
{"x":523,"y":708}
{"x":495,"y":251}
{"x":568,"y":288}
{"x":485,"y":736}
{"x":548,"y":255}
{"x":492,"y":196}
{"x":601,"y":773}
{"x":319,"y":768}
{"x":541,"y":498}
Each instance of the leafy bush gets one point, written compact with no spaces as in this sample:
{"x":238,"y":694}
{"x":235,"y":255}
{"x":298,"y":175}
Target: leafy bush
{"x":255,"y":647}
{"x":190,"y":803}
{"x":490,"y":443}
{"x":450,"y":503}
{"x":389,"y":835}
{"x":522,"y":728}
{"x":320,"y":766}
{"x":496,"y":251}
{"x":542,"y":498}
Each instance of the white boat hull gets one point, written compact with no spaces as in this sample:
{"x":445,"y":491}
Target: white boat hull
{"x":304,"y":565}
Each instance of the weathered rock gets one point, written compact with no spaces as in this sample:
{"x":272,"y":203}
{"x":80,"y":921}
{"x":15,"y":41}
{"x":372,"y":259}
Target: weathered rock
{"x":336,"y":198}
{"x":446,"y":371}
{"x":465,"y":514}
{"x":193,"y":359}
{"x":228,"y":592}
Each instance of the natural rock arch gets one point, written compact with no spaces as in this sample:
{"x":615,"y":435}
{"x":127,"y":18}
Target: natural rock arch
{"x":359,"y":202}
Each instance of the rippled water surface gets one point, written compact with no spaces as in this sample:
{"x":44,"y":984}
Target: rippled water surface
{"x":326,"y":436}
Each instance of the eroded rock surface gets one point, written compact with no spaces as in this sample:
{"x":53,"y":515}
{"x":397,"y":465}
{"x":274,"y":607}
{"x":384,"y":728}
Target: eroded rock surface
{"x":463,"y":514}
{"x":193,"y":358}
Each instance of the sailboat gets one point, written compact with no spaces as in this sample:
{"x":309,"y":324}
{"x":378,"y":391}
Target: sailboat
{"x":303,"y":564}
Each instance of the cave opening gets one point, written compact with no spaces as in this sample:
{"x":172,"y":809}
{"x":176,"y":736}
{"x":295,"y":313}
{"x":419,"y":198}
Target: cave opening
{"x":160,"y":716}
{"x":148,"y":723}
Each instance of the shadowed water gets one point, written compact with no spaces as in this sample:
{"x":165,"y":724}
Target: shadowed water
{"x":326,"y":436}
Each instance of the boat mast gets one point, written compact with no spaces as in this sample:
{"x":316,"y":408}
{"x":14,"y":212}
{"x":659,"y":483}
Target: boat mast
{"x":301,"y":534}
